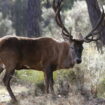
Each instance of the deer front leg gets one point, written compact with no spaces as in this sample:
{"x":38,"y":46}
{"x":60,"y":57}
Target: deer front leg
{"x":51,"y":82}
{"x":48,"y":73}
{"x":6,"y":80}
{"x":46,"y":76}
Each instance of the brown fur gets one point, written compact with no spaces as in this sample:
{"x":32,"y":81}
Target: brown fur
{"x":44,"y":54}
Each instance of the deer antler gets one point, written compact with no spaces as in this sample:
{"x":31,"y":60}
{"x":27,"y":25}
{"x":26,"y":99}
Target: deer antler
{"x":91,"y":35}
{"x":57,"y":8}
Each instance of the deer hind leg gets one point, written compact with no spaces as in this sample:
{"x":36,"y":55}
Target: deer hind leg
{"x":6,"y":80}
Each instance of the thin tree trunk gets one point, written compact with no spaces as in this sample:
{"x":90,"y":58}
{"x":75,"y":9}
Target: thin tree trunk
{"x":33,"y":18}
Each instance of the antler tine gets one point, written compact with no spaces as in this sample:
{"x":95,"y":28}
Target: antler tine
{"x":55,"y":5}
{"x":57,"y":8}
{"x":90,"y":37}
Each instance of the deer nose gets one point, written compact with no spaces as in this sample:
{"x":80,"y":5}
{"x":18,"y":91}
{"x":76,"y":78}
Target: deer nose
{"x":78,"y":61}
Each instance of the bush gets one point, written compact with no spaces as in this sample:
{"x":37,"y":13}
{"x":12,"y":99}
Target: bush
{"x":5,"y":26}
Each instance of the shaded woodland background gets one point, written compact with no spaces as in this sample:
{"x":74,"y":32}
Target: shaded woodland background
{"x":82,"y":85}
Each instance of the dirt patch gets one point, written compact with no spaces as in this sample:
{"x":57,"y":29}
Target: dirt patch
{"x":4,"y":96}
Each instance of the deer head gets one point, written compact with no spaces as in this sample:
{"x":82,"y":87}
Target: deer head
{"x":76,"y":45}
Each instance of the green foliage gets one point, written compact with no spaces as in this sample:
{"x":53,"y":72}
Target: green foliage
{"x":101,"y":88}
{"x":68,"y":4}
{"x":102,"y":2}
{"x":32,"y":75}
{"x":66,"y":74}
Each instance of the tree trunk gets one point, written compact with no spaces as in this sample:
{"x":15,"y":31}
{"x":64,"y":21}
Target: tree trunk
{"x":94,"y":14}
{"x":33,"y":18}
{"x":18,"y":17}
{"x":94,"y":11}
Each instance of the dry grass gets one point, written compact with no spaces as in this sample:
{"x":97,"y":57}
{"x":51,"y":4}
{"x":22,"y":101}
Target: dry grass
{"x":71,"y":97}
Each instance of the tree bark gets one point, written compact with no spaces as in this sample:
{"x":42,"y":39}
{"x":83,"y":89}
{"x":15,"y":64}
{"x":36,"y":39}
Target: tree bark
{"x":94,"y":11}
{"x":33,"y":18}
{"x":94,"y":14}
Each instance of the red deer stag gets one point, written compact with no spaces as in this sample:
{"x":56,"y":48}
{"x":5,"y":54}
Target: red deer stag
{"x":44,"y":54}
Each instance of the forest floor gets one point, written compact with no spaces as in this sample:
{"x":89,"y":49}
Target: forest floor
{"x":25,"y":96}
{"x":28,"y":93}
